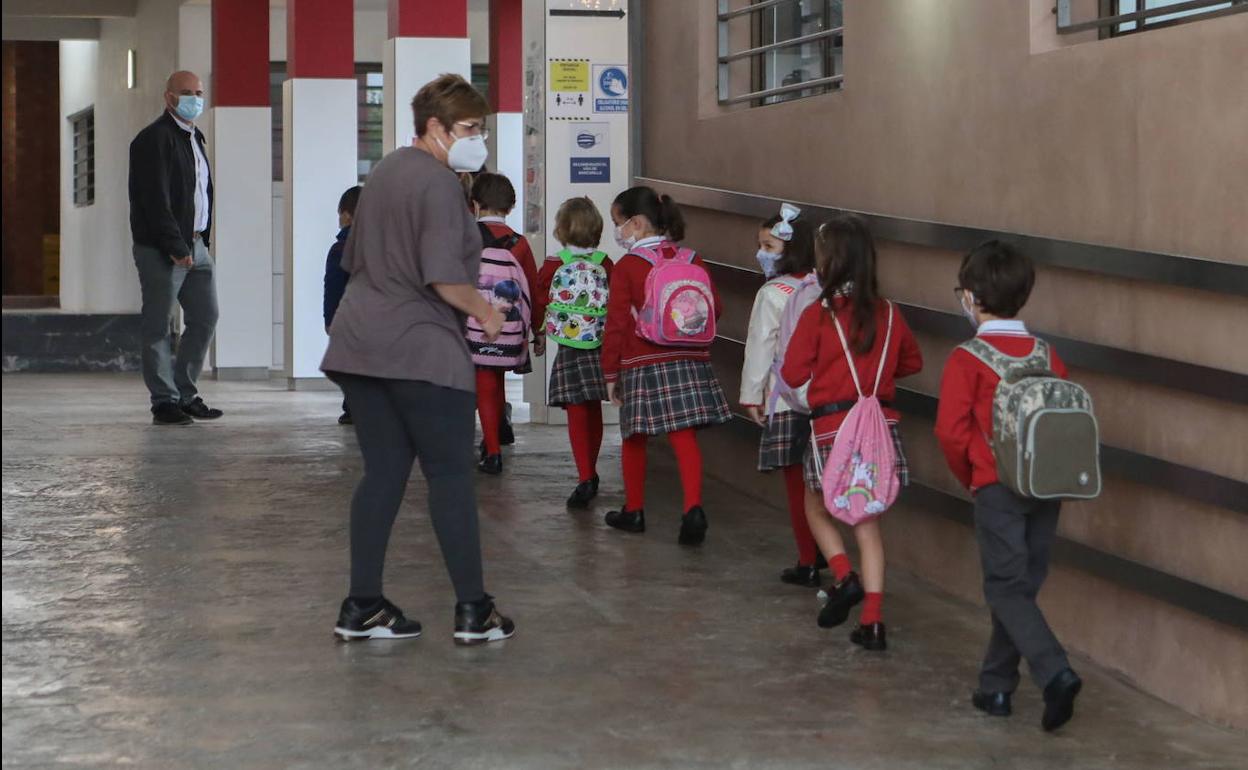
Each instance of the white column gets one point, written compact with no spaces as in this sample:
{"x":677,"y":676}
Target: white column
{"x":507,"y":158}
{"x":411,"y":62}
{"x":242,"y":142}
{"x":319,"y":161}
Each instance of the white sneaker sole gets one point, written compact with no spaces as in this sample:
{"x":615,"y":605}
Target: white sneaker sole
{"x":379,"y":632}
{"x":469,"y":639}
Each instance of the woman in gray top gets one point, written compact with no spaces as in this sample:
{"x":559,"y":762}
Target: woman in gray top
{"x":398,"y":351}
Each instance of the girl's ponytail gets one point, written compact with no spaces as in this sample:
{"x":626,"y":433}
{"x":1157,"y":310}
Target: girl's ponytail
{"x":673,"y":222}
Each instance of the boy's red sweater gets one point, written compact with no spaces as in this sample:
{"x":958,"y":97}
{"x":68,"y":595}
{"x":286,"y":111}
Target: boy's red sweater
{"x":524,"y":255}
{"x":964,"y":417}
{"x":621,"y":347}
{"x":815,"y":355}
{"x":541,"y":297}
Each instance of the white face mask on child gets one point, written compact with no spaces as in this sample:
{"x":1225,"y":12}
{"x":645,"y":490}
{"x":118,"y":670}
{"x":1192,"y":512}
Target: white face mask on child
{"x":767,"y":261}
{"x":969,"y":310}
{"x":621,"y":241}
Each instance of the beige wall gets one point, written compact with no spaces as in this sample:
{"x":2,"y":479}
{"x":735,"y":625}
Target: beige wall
{"x":974,"y":112}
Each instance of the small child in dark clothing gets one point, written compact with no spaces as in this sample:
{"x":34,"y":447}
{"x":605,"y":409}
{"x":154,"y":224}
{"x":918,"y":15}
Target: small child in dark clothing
{"x":335,"y":277}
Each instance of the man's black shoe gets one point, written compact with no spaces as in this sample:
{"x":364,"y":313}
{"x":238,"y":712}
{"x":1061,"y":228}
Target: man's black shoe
{"x":693,"y":527}
{"x":201,"y":411}
{"x":345,"y":419}
{"x":378,"y":619}
{"x":807,"y":577}
{"x":491,"y":465}
{"x":870,"y":637}
{"x":170,"y":413}
{"x":1059,"y":699}
{"x":995,"y":704}
{"x":629,"y":521}
{"x":838,"y":601}
{"x":585,"y":492}
{"x":479,"y":622}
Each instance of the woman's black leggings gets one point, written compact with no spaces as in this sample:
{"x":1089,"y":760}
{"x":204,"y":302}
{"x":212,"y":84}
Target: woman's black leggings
{"x":396,"y":422}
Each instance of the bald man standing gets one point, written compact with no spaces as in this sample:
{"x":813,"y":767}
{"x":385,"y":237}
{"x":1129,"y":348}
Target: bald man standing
{"x":170,"y":216}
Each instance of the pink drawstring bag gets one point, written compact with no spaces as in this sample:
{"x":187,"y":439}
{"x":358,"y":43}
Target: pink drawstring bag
{"x":860,"y":475}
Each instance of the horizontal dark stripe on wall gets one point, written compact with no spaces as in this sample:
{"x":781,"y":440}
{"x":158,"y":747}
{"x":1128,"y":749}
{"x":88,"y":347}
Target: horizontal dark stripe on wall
{"x":1167,"y":269}
{"x":1132,"y":575}
{"x":1116,"y":362}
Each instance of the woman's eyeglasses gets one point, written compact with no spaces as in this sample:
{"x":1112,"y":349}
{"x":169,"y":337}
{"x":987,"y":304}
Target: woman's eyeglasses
{"x":474,"y":129}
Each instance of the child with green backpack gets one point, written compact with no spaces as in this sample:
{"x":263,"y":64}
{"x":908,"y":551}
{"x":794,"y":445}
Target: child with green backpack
{"x":573,"y":288}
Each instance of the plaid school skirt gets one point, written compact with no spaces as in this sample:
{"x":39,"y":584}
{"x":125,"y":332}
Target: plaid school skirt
{"x":815,"y":482}
{"x":670,"y":396}
{"x":786,"y":435}
{"x":576,"y":377}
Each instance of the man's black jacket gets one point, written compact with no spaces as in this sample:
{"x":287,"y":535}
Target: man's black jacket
{"x":162,"y":188}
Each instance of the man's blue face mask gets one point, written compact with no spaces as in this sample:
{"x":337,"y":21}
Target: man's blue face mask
{"x":190,"y":106}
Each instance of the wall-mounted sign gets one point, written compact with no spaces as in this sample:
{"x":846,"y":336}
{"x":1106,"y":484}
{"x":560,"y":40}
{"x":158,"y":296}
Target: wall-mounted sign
{"x":610,"y":88}
{"x":568,"y":95}
{"x":590,"y":154}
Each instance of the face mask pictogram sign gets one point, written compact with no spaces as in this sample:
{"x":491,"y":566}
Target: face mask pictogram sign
{"x":590,"y":154}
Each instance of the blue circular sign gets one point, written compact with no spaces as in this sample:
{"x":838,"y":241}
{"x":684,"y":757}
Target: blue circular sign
{"x":613,"y":82}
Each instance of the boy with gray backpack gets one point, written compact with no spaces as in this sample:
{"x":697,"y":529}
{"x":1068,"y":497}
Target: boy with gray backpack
{"x":1021,"y":438}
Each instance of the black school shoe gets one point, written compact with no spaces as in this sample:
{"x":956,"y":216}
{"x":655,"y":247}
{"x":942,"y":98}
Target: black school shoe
{"x":807,"y":577}
{"x":1059,"y":699}
{"x":996,"y":704}
{"x":839,"y":600}
{"x":201,"y":411}
{"x":870,"y":637}
{"x":693,"y":527}
{"x":506,"y":433}
{"x":585,"y":492}
{"x":169,"y":413}
{"x":479,"y":623}
{"x":491,"y":465}
{"x":628,"y":521}
{"x":378,"y":619}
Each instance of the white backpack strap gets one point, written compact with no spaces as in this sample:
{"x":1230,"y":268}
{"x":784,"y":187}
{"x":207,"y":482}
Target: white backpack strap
{"x":849,"y":357}
{"x":888,"y":336}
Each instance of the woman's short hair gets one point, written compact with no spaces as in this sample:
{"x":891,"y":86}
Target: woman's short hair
{"x":450,"y":99}
{"x":578,"y":223}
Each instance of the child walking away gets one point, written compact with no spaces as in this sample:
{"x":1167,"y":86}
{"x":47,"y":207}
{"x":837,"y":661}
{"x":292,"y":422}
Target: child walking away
{"x":508,"y":275}
{"x":573,"y":287}
{"x":851,"y":347}
{"x":1009,"y":385}
{"x":656,"y":353}
{"x":335,"y":277}
{"x":786,"y":254}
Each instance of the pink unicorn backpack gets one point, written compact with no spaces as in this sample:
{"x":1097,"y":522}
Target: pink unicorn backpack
{"x":679,"y":308}
{"x":502,"y":283}
{"x":860,"y":476}
{"x":805,"y":292}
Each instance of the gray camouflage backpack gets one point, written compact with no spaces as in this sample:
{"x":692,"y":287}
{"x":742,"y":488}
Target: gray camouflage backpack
{"x":1044,"y":435}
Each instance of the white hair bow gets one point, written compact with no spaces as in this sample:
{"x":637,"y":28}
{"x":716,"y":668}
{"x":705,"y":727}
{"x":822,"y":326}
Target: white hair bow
{"x":783,"y":230}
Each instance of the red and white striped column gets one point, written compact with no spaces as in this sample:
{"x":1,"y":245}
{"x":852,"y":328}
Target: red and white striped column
{"x":320,"y":148}
{"x":507,"y":98}
{"x":426,"y":38}
{"x":242,"y":149}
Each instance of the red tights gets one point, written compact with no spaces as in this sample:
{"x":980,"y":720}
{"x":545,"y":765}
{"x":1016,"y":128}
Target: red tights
{"x":795,"y":487}
{"x":491,"y":396}
{"x":688,"y":460}
{"x":585,"y":434}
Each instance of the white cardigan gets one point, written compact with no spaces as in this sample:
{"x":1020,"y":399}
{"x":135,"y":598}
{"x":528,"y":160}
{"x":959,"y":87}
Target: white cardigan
{"x":760,"y":345}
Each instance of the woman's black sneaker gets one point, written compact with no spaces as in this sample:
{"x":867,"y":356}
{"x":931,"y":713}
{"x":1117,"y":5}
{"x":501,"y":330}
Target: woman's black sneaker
{"x":170,"y":413}
{"x":693,"y":527}
{"x":585,"y":492}
{"x":807,"y":577}
{"x":870,"y":637}
{"x":201,"y":411}
{"x":378,"y":619}
{"x":479,"y":623}
{"x":628,"y":521}
{"x":492,"y":465}
{"x":839,"y":599}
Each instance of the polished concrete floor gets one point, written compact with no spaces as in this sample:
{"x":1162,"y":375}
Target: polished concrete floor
{"x":169,"y":592}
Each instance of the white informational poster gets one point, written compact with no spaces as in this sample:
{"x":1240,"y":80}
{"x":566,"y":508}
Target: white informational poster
{"x":610,"y":88}
{"x":567,"y":94}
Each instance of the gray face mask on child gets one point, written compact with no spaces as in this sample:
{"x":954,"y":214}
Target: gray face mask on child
{"x":969,"y":310}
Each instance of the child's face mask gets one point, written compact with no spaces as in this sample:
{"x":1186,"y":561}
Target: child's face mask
{"x":968,"y":308}
{"x":767,"y":261}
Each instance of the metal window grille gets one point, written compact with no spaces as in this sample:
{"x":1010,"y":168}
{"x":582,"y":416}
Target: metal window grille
{"x":795,"y":49}
{"x":82,"y":124}
{"x":1121,"y":17}
{"x":369,"y":121}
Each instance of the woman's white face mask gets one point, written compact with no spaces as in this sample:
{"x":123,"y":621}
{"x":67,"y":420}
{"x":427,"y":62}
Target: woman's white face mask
{"x":467,"y":154}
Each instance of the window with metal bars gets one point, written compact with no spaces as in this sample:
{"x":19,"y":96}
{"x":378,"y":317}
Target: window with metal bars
{"x":1123,"y":17}
{"x":773,"y":51}
{"x":82,"y":125}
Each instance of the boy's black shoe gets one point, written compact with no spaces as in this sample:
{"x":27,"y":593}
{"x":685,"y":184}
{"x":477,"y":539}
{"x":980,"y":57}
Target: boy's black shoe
{"x":693,"y":527}
{"x":996,"y":704}
{"x":583,"y":494}
{"x":870,"y":637}
{"x":491,"y":465}
{"x":201,"y":411}
{"x":169,"y":413}
{"x":807,"y":577}
{"x":345,"y":419}
{"x":506,"y":433}
{"x":838,"y":601}
{"x":1059,"y":699}
{"x":479,"y":622}
{"x":378,"y":619}
{"x":629,"y":521}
